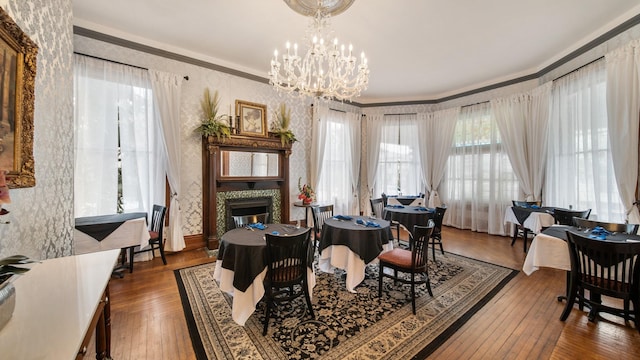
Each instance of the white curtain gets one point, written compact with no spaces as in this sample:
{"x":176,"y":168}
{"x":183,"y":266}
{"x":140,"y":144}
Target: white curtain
{"x":114,"y":129}
{"x":479,"y":182}
{"x":354,"y":128}
{"x":436,"y":137}
{"x":398,"y":168}
{"x":374,"y":136}
{"x":580,"y":168}
{"x":340,"y":174}
{"x":623,"y":110}
{"x":318,"y":139}
{"x":523,"y":121}
{"x":167,"y":90}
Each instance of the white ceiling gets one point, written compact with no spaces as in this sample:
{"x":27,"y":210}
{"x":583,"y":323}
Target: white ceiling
{"x":417,"y":49}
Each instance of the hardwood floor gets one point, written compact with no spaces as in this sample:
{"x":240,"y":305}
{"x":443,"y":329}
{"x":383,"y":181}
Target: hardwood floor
{"x":520,"y":322}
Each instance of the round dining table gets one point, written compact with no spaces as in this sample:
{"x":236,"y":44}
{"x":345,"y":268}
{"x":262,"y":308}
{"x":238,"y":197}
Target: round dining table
{"x":242,"y":266}
{"x":345,"y":244}
{"x":409,"y":216}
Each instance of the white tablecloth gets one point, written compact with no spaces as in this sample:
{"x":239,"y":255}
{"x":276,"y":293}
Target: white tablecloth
{"x":244,"y":302}
{"x":535,"y":222}
{"x":132,"y":232}
{"x":547,"y":251}
{"x":341,"y":257}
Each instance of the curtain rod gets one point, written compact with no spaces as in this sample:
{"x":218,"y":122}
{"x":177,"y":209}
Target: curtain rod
{"x":574,"y":70}
{"x":342,"y":111}
{"x":186,"y":77}
{"x":478,"y":103}
{"x":415,"y":113}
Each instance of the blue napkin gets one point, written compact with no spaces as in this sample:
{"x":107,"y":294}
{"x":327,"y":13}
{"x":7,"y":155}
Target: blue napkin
{"x":342,"y":217}
{"x":535,"y":207}
{"x":368,"y":223}
{"x":599,"y":233}
{"x":396,"y":206}
{"x":422,"y":208}
{"x":275,"y":233}
{"x":258,"y":226}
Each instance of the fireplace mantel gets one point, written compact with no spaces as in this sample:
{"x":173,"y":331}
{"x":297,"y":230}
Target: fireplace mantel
{"x":214,"y":181}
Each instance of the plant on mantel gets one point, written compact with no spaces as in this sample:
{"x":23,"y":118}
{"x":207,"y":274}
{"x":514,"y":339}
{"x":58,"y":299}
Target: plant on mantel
{"x":281,"y":126}
{"x":212,"y":123}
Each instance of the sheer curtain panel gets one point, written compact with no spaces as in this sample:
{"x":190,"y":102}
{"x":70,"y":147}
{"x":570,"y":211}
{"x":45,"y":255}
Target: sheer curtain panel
{"x":623,"y":110}
{"x":436,"y":137}
{"x":580,"y":168}
{"x":374,"y":135}
{"x":523,"y":121}
{"x":114,"y":138}
{"x":339,"y":162}
{"x":479,"y":182}
{"x":167,"y":91}
{"x":398,"y":168}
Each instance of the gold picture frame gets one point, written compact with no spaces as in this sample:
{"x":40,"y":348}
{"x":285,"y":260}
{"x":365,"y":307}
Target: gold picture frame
{"x":17,"y":82}
{"x":252,"y":118}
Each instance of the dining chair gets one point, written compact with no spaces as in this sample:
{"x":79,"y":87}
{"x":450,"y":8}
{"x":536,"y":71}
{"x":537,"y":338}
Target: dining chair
{"x":156,"y":240}
{"x":413,"y":261}
{"x":603,"y":268}
{"x":244,"y":220}
{"x":520,"y":229}
{"x":565,"y":217}
{"x":436,"y":235}
{"x":377,"y":210}
{"x":609,"y":226}
{"x":288,"y":258}
{"x":320,"y":214}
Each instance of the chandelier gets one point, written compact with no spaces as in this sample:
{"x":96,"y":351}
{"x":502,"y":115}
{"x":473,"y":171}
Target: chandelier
{"x":327,"y":69}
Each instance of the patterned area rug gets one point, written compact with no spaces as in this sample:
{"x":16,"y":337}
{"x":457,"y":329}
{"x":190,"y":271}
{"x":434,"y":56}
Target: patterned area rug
{"x":347,"y":326}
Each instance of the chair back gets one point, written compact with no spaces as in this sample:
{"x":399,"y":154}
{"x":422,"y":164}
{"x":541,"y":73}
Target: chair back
{"x":613,"y":227}
{"x":157,"y":221}
{"x":418,"y":244}
{"x":244,"y":220}
{"x":565,"y":217}
{"x":320,"y":214}
{"x":377,"y":207}
{"x":610,"y":268}
{"x":287,"y":258}
{"x":437,"y":219}
{"x":526,"y":203}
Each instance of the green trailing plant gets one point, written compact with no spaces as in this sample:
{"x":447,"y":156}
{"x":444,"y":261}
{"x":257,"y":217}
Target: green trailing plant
{"x":212,"y":123}
{"x":281,"y":125}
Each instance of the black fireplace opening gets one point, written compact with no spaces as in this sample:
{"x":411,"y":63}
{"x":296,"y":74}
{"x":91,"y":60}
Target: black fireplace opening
{"x":247,"y":206}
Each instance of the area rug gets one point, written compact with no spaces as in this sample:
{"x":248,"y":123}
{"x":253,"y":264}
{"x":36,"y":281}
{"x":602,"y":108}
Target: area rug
{"x":347,"y":325}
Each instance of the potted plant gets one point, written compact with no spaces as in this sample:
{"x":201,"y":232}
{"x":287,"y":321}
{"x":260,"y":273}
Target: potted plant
{"x":281,"y":125}
{"x":7,"y":291}
{"x":306,"y":193}
{"x":212,"y":123}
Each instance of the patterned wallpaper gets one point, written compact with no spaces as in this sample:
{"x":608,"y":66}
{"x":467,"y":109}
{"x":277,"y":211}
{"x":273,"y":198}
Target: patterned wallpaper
{"x":41,"y":218}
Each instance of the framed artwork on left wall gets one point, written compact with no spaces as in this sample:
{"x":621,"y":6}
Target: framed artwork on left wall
{"x":17,"y":82}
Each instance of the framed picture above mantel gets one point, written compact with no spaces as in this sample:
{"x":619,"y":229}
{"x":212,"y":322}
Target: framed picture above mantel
{"x":252,"y":118}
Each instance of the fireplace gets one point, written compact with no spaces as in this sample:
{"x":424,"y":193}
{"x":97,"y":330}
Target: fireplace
{"x":247,"y":206}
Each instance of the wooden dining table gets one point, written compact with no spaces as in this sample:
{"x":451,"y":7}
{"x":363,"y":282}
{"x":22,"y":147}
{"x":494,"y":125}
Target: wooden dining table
{"x":350,"y":246}
{"x":242,"y":267}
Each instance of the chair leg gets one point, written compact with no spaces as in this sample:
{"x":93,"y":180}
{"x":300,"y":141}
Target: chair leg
{"x":571,"y":299}
{"x":525,"y":232}
{"x":308,"y":298}
{"x":380,"y":268}
{"x":131,"y":253}
{"x":413,"y":292}
{"x":267,"y":314}
{"x":429,"y":285}
{"x":515,"y":235}
{"x":433,"y":249}
{"x":161,"y":247}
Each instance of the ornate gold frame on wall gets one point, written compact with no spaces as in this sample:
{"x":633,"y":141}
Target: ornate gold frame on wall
{"x":252,"y":118}
{"x":17,"y":83}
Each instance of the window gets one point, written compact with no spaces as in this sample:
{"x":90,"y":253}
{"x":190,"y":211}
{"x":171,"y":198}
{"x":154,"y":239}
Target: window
{"x":579,"y":168}
{"x":479,"y":181}
{"x":115,"y":138}
{"x":335,"y":180}
{"x":399,"y":165}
